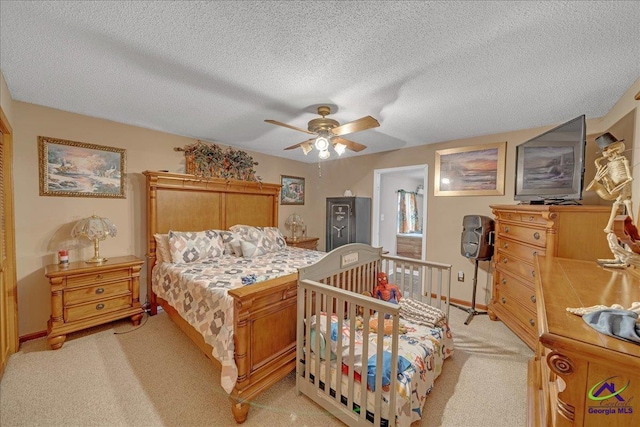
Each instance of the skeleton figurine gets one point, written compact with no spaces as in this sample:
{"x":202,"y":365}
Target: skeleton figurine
{"x":613,"y":182}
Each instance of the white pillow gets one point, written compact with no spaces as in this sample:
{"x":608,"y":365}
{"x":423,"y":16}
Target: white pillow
{"x":163,"y":253}
{"x":192,"y":246}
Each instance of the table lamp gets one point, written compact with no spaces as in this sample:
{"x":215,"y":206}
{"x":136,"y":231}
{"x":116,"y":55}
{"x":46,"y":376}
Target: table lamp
{"x":293,"y":222}
{"x":94,"y":228}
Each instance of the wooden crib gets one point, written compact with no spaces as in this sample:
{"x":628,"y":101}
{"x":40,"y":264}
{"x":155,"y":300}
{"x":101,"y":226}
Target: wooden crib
{"x":330,"y":299}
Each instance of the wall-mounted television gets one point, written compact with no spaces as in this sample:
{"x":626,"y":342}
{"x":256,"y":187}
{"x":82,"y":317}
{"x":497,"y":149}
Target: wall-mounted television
{"x":550,"y":167}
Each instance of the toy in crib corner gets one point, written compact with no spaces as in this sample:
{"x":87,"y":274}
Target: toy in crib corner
{"x":373,"y":323}
{"x":385,"y":290}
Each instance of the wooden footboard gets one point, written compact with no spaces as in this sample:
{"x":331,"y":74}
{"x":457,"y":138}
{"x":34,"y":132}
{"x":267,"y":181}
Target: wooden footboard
{"x":264,"y":337}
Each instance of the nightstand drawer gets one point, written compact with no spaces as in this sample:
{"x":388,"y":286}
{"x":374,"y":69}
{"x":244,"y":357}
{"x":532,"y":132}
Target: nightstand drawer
{"x":96,"y":308}
{"x":94,"y":278}
{"x":97,"y":292}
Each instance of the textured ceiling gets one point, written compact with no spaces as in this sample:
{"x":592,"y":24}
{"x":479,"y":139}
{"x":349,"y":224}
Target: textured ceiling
{"x":428,"y":71}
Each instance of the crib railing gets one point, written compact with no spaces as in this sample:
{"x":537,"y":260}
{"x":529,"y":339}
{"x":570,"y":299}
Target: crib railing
{"x":426,"y":281}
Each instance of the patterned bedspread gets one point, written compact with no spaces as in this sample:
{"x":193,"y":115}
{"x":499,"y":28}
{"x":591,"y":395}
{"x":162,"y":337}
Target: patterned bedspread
{"x":199,"y":292}
{"x":422,"y":348}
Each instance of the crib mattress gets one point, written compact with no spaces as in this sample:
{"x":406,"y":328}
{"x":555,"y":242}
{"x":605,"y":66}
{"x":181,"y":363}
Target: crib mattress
{"x":424,"y":347}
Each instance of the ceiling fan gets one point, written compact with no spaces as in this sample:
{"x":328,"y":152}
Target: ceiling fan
{"x":329,"y":133}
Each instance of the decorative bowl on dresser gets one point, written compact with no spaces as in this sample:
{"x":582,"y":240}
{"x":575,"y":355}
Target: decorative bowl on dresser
{"x":85,"y":295}
{"x":524,"y":231}
{"x":303,"y":242}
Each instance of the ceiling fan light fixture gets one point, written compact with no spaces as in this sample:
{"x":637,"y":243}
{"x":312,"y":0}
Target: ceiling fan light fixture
{"x":322,"y":143}
{"x":340,"y":148}
{"x":324,"y":154}
{"x":306,"y":148}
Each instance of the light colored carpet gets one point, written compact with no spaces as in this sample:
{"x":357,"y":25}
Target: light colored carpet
{"x":155,"y":376}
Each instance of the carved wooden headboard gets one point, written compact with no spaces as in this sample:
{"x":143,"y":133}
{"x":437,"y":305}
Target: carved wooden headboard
{"x":183,"y":202}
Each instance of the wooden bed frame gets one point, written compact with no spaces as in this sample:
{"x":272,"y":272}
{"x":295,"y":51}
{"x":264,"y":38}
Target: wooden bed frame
{"x":265,"y":313}
{"x":335,"y":284}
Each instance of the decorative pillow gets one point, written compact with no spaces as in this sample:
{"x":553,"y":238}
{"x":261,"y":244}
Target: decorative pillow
{"x":251,"y":249}
{"x":191,"y":246}
{"x":262,"y":242}
{"x":246,"y":232}
{"x":275,"y":235}
{"x":163,"y":253}
{"x":231,"y":242}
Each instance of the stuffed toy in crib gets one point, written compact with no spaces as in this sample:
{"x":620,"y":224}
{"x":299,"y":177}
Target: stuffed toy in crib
{"x":385,"y":290}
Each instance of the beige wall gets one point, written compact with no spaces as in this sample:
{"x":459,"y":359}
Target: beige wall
{"x":43,"y":223}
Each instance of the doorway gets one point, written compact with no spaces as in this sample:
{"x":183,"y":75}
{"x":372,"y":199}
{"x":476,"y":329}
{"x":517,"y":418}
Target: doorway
{"x":386,"y":183}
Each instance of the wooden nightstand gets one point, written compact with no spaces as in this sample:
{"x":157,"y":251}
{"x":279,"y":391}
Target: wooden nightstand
{"x":303,"y":242}
{"x":85,"y":295}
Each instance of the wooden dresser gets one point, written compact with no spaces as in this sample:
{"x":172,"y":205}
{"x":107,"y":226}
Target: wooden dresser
{"x":303,"y":242}
{"x":578,"y":376}
{"x":409,"y":246}
{"x":523,"y":231}
{"x":85,"y":295}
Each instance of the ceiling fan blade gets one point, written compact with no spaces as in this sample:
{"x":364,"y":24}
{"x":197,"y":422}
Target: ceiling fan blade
{"x":293,"y":147}
{"x":363,"y":123}
{"x":274,"y":122}
{"x":353,"y":146}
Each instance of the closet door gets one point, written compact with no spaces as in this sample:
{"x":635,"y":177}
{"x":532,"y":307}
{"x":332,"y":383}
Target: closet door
{"x":8,"y":295}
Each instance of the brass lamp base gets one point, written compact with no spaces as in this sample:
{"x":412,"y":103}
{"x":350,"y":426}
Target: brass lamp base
{"x":95,"y":260}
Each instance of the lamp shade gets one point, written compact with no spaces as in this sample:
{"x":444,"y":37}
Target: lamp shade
{"x":94,"y":228}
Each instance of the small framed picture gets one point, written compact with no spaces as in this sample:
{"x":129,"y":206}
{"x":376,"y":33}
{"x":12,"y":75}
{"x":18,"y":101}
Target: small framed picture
{"x":292,"y":192}
{"x":77,"y":169}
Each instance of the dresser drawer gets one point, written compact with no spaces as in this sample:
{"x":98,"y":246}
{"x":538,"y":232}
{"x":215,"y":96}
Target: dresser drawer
{"x":532,"y":235}
{"x":521,"y":250}
{"x":525,"y":317}
{"x":522,"y":291}
{"x":96,"y":308}
{"x":525,"y":217}
{"x":95,"y":278}
{"x":97,"y":292}
{"x":511,"y":264}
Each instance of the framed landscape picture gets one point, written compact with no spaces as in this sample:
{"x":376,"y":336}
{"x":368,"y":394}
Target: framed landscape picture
{"x":471,"y":171}
{"x":292,"y":192}
{"x":78,"y":169}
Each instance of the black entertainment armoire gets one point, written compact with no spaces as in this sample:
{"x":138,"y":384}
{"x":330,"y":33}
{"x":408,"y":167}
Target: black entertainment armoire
{"x":348,"y":221}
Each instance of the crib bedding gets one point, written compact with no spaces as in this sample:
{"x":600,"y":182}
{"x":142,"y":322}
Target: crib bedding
{"x":199,"y":293}
{"x":423,"y":348}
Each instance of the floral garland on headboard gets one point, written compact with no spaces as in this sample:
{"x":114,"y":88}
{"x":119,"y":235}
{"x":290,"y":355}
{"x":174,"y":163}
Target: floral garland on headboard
{"x":211,"y":161}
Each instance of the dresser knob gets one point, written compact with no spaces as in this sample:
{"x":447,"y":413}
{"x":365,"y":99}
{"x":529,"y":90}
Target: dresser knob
{"x":533,"y":298}
{"x":99,"y":276}
{"x":531,"y":218}
{"x":506,"y":229}
{"x":504,"y":281}
{"x":532,"y":322}
{"x":536,"y":235}
{"x":99,"y":306}
{"x":504,"y":300}
{"x":506,"y":245}
{"x":535,"y":253}
{"x":99,"y":291}
{"x":533,"y":273}
{"x":504,"y":260}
